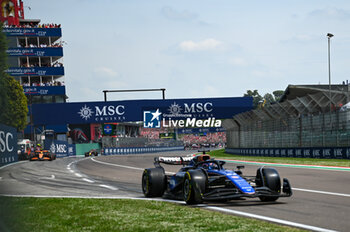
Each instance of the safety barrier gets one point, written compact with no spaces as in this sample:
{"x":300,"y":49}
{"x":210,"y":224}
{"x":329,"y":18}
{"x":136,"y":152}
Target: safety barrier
{"x":8,"y":145}
{"x":304,"y":152}
{"x":138,"y":150}
{"x":81,"y":148}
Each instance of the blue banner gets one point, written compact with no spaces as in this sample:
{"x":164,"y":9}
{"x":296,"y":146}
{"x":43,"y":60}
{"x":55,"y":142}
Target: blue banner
{"x":48,"y":51}
{"x":45,"y":90}
{"x":8,"y":145}
{"x":60,"y":148}
{"x":10,"y":31}
{"x":71,"y":150}
{"x":133,"y":110}
{"x":36,"y":71}
{"x":302,"y":152}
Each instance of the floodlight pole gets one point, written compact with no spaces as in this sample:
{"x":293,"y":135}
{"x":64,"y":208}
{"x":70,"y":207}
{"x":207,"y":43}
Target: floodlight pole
{"x":329,"y":35}
{"x":132,"y":90}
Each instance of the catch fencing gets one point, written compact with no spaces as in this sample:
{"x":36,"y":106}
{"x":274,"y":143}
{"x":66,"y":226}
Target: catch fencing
{"x":323,"y":130}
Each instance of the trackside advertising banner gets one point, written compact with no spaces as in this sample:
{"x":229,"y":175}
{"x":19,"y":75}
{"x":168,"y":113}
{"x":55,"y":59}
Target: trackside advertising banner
{"x":60,"y":148}
{"x":35,"y":51}
{"x":304,"y":152}
{"x":135,"y":110}
{"x":45,"y":90}
{"x":36,"y":71}
{"x":8,"y":145}
{"x":10,"y":31}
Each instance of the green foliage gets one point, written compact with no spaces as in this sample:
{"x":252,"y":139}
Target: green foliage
{"x":257,"y":98}
{"x":63,"y":214}
{"x":268,"y":98}
{"x":278,"y":94}
{"x":13,"y":102}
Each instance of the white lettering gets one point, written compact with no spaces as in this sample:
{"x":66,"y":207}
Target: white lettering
{"x":118,"y":111}
{"x":189,"y":109}
{"x":7,"y":142}
{"x":110,"y":110}
{"x":206,"y":107}
{"x":100,"y":112}
{"x":2,"y":141}
{"x":191,"y":122}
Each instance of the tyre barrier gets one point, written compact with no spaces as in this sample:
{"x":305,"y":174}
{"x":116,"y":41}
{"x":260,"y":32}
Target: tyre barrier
{"x":138,"y":150}
{"x":301,"y":152}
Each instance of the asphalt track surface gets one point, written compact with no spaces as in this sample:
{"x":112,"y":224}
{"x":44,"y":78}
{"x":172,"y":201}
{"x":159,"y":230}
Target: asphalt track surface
{"x":321,"y":198}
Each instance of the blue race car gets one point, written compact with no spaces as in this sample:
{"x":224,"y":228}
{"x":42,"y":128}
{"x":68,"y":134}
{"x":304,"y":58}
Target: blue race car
{"x":204,"y":179}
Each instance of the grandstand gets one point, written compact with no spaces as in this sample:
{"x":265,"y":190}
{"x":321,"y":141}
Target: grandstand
{"x":306,"y":116}
{"x":209,"y":139}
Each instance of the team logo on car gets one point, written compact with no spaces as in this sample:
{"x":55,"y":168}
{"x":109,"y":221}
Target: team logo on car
{"x":151,"y":118}
{"x":85,"y":112}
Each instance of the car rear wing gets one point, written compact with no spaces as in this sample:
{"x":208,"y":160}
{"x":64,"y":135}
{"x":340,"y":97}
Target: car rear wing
{"x":204,"y":151}
{"x":177,"y":160}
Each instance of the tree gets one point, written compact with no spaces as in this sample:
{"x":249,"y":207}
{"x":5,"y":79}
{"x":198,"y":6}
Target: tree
{"x":13,"y":102}
{"x":257,"y":98}
{"x":259,"y":101}
{"x":278,"y":94}
{"x":269,"y":98}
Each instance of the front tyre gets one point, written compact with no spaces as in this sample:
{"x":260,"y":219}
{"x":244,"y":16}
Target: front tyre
{"x":194,"y":186}
{"x":153,"y":182}
{"x":268,"y":177}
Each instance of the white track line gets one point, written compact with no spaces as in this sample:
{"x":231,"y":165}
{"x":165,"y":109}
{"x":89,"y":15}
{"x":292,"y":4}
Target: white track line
{"x":116,"y":165}
{"x":108,"y":187}
{"x":88,"y":180}
{"x":78,"y":175}
{"x":274,"y":220}
{"x":7,"y":165}
{"x":235,"y":212}
{"x":322,"y":192}
{"x":47,"y":178}
{"x":123,"y":166}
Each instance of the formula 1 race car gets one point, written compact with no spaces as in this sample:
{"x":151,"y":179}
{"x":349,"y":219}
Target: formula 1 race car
{"x":42,"y":155}
{"x":91,"y":153}
{"x":204,"y":179}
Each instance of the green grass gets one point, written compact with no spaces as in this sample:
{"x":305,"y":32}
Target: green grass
{"x":307,"y":161}
{"x":66,"y":214}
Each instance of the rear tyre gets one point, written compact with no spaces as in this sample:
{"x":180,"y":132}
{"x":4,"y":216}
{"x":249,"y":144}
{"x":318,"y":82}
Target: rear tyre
{"x":194,"y":186}
{"x":268,"y":177}
{"x":153,"y":182}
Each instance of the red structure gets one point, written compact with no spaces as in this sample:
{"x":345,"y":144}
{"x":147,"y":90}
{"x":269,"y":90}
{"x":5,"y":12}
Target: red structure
{"x":11,"y":12}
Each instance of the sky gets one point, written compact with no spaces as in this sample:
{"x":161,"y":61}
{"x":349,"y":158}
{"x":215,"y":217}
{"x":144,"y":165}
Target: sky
{"x":196,"y":48}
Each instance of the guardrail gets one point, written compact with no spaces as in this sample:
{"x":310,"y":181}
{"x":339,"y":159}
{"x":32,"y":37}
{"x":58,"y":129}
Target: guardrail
{"x":304,"y":152}
{"x":138,"y":150}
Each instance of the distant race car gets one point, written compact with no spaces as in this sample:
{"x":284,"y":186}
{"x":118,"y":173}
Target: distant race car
{"x":204,"y":179}
{"x":91,"y":153}
{"x":42,"y":155}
